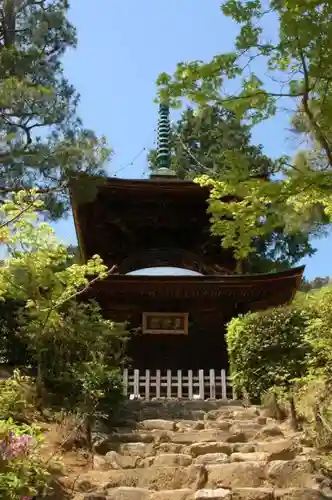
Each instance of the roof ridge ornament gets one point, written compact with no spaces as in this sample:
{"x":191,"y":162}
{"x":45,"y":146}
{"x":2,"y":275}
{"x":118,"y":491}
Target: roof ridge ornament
{"x":164,"y":132}
{"x":163,"y":144}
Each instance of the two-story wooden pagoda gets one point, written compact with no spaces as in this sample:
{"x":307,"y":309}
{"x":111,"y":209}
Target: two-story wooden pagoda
{"x":174,"y":285}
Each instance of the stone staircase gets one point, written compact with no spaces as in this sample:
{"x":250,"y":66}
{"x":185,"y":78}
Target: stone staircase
{"x":227,"y":453}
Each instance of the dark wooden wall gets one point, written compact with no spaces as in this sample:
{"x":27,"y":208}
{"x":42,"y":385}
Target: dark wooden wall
{"x":203,"y":348}
{"x":198,"y":350}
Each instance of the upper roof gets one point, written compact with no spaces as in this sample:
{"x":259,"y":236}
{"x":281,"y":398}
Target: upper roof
{"x":156,"y":183}
{"x":256,"y":291}
{"x":123,"y":206}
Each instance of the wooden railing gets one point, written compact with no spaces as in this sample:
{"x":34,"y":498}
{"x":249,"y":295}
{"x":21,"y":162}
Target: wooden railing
{"x":181,"y":384}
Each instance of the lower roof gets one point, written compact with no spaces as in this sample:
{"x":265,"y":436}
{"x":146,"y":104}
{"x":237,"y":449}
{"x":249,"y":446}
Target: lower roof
{"x":257,"y":291}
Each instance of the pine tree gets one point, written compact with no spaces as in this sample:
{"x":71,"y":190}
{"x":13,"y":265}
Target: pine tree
{"x":201,"y":143}
{"x":43,"y":143}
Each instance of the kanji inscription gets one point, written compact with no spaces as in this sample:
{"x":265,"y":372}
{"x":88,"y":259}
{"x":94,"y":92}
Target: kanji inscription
{"x":165,"y":323}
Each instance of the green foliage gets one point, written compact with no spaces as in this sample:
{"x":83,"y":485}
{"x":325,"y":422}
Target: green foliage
{"x":23,"y":474}
{"x":98,"y":387}
{"x":76,"y":352}
{"x":319,"y":330}
{"x":278,"y":250}
{"x":212,"y":141}
{"x":313,"y":393}
{"x":314,"y":284}
{"x":44,"y":144}
{"x":98,"y":392}
{"x":284,"y":356}
{"x":207,"y":141}
{"x":295,"y":64}
{"x":267,"y":349}
{"x":13,"y":348}
{"x":314,"y":405}
{"x":61,"y":333}
{"x":17,"y":396}
{"x":259,"y":209}
{"x":77,"y":348}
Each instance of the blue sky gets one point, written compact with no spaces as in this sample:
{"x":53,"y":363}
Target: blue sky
{"x":123,"y":46}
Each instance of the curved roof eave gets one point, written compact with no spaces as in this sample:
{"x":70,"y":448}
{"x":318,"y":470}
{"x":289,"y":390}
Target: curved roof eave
{"x":227,"y":279}
{"x":254,"y":292}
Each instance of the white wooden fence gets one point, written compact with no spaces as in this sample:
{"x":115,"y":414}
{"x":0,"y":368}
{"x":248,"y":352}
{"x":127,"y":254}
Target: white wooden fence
{"x":180,"y":384}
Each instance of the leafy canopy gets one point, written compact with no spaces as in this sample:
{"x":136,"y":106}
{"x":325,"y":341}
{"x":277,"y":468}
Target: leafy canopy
{"x":296,"y":69}
{"x":43,"y":143}
{"x":202,"y":142}
{"x":211,"y":141}
{"x":75,"y":351}
{"x":29,"y":271}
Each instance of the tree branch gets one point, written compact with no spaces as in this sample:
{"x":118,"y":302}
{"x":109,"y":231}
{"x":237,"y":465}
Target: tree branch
{"x":18,"y":215}
{"x":305,"y":102}
{"x":258,"y":93}
{"x":38,"y":191}
{"x":83,"y":290}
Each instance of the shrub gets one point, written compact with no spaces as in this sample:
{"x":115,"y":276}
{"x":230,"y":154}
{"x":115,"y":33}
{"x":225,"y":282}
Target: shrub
{"x":275,"y":403}
{"x":319,"y":330}
{"x":13,"y":347}
{"x":99,"y":390}
{"x":17,"y":397}
{"x":267,"y":349}
{"x":22,"y":472}
{"x":97,"y":394}
{"x":62,"y":333}
{"x":314,"y":392}
{"x":75,"y":341}
{"x":313,"y":400}
{"x":98,"y":386}
{"x":68,"y":432}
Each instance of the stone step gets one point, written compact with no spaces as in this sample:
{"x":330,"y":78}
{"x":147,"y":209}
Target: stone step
{"x":137,"y":449}
{"x":221,"y":452}
{"x":258,"y":494}
{"x":132,"y":493}
{"x":203,"y":448}
{"x":279,"y":449}
{"x":169,"y":460}
{"x":278,"y":474}
{"x":175,"y":409}
{"x":219,"y":424}
{"x":145,"y":455}
{"x":157,"y":424}
{"x":231,"y":412}
{"x":206,"y":435}
{"x":187,"y":437}
{"x":158,"y":431}
{"x":167,"y":473}
{"x":123,"y":493}
{"x":249,"y":457}
{"x":196,"y":425}
{"x":153,"y":478}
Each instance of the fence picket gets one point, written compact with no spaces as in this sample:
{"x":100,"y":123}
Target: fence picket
{"x":223,"y":385}
{"x":169,"y":384}
{"x":158,"y":384}
{"x":190,"y":384}
{"x":179,"y":384}
{"x":201,"y":384}
{"x":125,"y":381}
{"x":212,"y":384}
{"x":136,"y":383}
{"x":147,"y":385}
{"x":234,"y":395}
